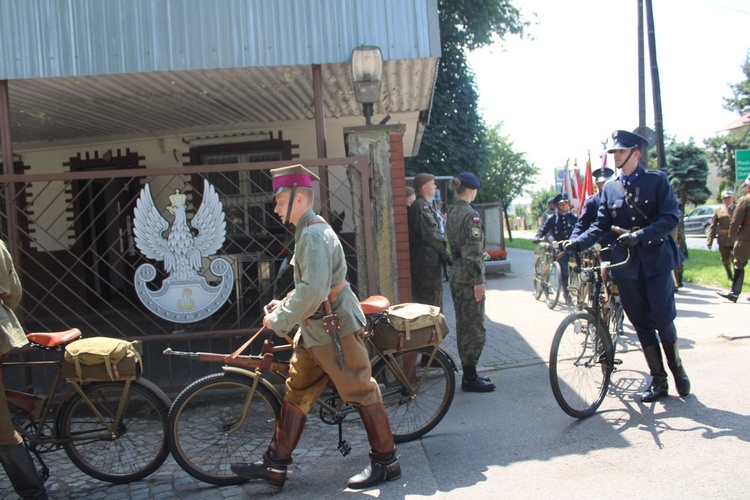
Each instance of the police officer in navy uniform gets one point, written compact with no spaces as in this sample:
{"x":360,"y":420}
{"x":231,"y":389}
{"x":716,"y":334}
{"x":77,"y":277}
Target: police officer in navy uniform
{"x":591,"y":208}
{"x":641,"y":205}
{"x":560,"y":227}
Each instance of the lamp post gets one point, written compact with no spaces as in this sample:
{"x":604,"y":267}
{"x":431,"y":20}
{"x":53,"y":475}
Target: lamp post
{"x":367,"y":74}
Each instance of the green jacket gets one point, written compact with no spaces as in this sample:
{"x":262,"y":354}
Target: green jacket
{"x":426,"y":244}
{"x":465,"y":232}
{"x":11,"y":333}
{"x":319,"y":266}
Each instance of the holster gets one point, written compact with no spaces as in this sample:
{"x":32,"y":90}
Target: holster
{"x":331,"y":322}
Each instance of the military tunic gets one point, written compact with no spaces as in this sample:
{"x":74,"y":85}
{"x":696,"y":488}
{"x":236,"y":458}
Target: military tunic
{"x":319,"y":268}
{"x":11,"y":336}
{"x":427,"y":251}
{"x":719,"y":229}
{"x":739,"y":229}
{"x":645,"y":282}
{"x":588,"y":216}
{"x":465,"y":233}
{"x":560,"y":226}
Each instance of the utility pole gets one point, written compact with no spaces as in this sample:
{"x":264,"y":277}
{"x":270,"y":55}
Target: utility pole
{"x":655,"y":88}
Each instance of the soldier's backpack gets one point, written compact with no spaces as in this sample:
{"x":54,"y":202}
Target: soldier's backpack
{"x":100,"y":359}
{"x":408,"y":326}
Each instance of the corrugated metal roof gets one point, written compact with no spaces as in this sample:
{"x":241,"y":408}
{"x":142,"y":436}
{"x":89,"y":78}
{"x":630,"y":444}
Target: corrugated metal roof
{"x":141,"y":104}
{"x":72,"y":38}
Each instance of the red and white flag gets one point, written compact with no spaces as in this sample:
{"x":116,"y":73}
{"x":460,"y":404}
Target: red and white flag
{"x":588,"y":181}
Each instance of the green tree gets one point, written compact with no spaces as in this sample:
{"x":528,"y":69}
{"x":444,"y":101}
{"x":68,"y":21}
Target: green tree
{"x":539,"y":201}
{"x":688,"y":172}
{"x":723,"y":146}
{"x":454,"y":140}
{"x":508,"y":173}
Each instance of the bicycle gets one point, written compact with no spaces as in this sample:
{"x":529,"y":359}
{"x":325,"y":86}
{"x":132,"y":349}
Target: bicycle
{"x":547,"y":274}
{"x":580,"y":292}
{"x":583,"y":348}
{"x":114,"y":431}
{"x":231,"y":416}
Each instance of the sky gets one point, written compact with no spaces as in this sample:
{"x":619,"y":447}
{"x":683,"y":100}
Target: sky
{"x":573,"y":79}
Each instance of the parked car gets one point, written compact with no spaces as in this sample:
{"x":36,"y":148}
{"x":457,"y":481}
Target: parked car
{"x":698,"y":221}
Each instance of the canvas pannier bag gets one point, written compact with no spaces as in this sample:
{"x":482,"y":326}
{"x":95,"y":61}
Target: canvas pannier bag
{"x":408,"y":326}
{"x":102,"y":358}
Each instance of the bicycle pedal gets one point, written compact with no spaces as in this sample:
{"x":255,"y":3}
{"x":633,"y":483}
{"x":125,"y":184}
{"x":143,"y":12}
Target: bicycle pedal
{"x":344,"y":448}
{"x":617,"y":361}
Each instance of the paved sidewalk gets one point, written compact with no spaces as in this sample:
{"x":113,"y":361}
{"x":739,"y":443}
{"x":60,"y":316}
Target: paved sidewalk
{"x":519,"y":332}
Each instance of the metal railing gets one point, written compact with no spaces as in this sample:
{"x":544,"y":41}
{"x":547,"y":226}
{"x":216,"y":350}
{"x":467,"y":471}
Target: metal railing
{"x":73,"y":245}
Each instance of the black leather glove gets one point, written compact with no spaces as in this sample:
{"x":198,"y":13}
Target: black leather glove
{"x":536,"y":239}
{"x":628,"y":240}
{"x":570,"y":246}
{"x":709,"y":246}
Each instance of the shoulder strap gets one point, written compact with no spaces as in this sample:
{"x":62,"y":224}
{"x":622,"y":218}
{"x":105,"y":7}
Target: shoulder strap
{"x":630,"y":202}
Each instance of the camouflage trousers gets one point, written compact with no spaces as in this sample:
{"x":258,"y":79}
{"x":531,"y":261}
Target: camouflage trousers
{"x":428,"y":292}
{"x":470,"y":331}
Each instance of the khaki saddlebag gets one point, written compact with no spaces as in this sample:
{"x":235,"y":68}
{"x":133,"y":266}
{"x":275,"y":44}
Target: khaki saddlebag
{"x":102,"y":358}
{"x":408,"y":326}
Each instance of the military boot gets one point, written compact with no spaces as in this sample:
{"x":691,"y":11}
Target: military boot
{"x":681,"y":380}
{"x":734,"y":293}
{"x":728,"y":269}
{"x":278,"y":457}
{"x":384,"y":464}
{"x":472,"y":382}
{"x":659,"y":386}
{"x":20,"y":468}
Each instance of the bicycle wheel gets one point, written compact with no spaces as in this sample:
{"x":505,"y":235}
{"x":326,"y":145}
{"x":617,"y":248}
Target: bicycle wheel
{"x":204,"y":436}
{"x":538,"y":277}
{"x":139,"y":446}
{"x":552,"y":289}
{"x":580,"y":364}
{"x":415,"y":410}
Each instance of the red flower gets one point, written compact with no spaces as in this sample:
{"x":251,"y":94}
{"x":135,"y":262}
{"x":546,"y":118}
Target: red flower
{"x":498,"y":254}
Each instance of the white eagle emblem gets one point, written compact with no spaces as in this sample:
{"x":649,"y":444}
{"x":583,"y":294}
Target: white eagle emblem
{"x":185,"y":295}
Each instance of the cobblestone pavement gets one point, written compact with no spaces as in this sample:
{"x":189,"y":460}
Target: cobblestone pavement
{"x":519,"y":331}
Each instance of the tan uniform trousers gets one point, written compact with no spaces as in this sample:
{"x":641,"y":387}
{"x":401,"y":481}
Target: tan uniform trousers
{"x":311,"y":368}
{"x":8,"y":435}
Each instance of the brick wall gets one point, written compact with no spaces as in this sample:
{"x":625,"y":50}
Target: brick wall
{"x":398,"y":172}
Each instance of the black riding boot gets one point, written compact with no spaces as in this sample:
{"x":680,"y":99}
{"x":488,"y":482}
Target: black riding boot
{"x":734,"y":293}
{"x":681,"y":380}
{"x":272,"y":468}
{"x":20,"y":468}
{"x":472,"y":382}
{"x":659,"y":386}
{"x":728,"y":269}
{"x":384,"y":465}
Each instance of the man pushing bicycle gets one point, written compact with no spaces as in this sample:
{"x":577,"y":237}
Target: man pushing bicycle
{"x":328,"y":344}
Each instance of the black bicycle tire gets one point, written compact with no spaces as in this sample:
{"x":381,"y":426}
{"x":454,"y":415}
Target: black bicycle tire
{"x":562,"y":395}
{"x":538,"y":286}
{"x":553,"y":270}
{"x":404,"y":415}
{"x":258,"y":427}
{"x":133,"y":445}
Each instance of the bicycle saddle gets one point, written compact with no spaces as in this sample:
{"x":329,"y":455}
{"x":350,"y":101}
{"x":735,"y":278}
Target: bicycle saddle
{"x":375,"y":304}
{"x":54,"y":339}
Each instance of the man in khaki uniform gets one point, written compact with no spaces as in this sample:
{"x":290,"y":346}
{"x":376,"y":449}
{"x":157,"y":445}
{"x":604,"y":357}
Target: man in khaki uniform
{"x":427,"y":245}
{"x":14,"y":456}
{"x":739,"y":229}
{"x":320,"y":352}
{"x":719,"y":229}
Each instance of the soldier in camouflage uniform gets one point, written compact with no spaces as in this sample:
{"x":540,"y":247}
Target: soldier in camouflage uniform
{"x":427,"y":247}
{"x":719,"y":229}
{"x":465,"y":232}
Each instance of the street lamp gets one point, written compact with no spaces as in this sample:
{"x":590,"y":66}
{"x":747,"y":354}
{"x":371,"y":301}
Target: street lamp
{"x":367,"y":74}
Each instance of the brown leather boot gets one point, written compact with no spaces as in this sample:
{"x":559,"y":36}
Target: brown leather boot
{"x":384,"y":464}
{"x":273,"y":467}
